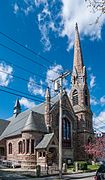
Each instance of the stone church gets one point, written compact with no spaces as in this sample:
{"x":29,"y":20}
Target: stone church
{"x":32,"y":136}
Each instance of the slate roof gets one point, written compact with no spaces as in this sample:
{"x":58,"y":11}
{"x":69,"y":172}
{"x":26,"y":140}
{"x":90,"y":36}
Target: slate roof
{"x":35,"y":122}
{"x":3,"y":125}
{"x":18,"y":123}
{"x":45,"y":141}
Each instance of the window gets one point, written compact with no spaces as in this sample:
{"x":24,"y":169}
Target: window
{"x":44,"y":154}
{"x":66,"y":129}
{"x":75,"y":97}
{"x":20,"y":147}
{"x":32,"y":146}
{"x":23,"y":146}
{"x":1,"y":151}
{"x":27,"y":145}
{"x":40,"y":154}
{"x":86,"y":98}
{"x":10,"y":148}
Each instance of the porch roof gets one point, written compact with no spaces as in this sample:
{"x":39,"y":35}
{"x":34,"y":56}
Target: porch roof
{"x":45,"y":141}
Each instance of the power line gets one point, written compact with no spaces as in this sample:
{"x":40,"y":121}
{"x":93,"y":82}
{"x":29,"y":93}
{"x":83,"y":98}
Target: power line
{"x":20,"y":95}
{"x":23,"y":79}
{"x":23,"y":68}
{"x":30,"y":59}
{"x":35,"y":53}
{"x":16,"y":52}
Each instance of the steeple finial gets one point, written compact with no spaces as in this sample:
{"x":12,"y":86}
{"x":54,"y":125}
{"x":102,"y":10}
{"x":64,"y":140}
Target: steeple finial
{"x":17,"y":108}
{"x":78,"y":60}
{"x":47,"y":95}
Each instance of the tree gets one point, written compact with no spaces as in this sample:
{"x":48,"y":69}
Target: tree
{"x":97,"y":5}
{"x":96,"y":149}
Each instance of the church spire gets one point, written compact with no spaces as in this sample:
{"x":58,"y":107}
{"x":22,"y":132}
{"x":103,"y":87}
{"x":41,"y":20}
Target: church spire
{"x":17,"y":108}
{"x":47,"y":109}
{"x":78,"y":60}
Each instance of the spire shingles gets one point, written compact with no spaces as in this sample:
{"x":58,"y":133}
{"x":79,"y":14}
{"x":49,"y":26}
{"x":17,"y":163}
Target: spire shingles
{"x":78,"y":60}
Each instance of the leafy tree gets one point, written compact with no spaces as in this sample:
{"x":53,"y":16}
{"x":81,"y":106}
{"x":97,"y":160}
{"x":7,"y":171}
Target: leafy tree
{"x":97,"y":5}
{"x":96,"y":148}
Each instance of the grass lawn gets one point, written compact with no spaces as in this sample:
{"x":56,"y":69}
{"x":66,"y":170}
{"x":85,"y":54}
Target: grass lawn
{"x":93,"y":167}
{"x":89,"y":168}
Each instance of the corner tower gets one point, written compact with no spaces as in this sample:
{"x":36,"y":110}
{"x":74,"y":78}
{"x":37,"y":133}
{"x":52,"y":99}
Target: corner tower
{"x":80,"y":98}
{"x":17,"y":108}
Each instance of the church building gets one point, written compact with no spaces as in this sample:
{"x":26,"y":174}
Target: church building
{"x":32,"y":136}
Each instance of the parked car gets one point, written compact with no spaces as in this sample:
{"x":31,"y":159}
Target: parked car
{"x":16,"y":164}
{"x":11,"y":164}
{"x":100,"y":174}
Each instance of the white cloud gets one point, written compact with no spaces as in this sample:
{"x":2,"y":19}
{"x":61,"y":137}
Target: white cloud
{"x":15,"y":8}
{"x":102,"y":100}
{"x":99,"y":121}
{"x":35,"y":89}
{"x":28,"y":10}
{"x":5,"y":78}
{"x":92,"y":81}
{"x":69,"y":13}
{"x":89,"y":68}
{"x":60,"y":17}
{"x":38,"y":2}
{"x":77,"y":11}
{"x":93,"y":101}
{"x":26,"y":103}
{"x":52,"y":73}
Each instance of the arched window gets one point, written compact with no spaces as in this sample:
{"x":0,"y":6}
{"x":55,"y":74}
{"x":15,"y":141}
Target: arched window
{"x":20,"y":147}
{"x":64,"y":129}
{"x":66,"y":132}
{"x":86,"y":98}
{"x":75,"y":97}
{"x":23,"y":148}
{"x":10,"y":148}
{"x":32,"y":146}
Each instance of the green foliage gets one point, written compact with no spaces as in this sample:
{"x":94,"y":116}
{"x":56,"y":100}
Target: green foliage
{"x":93,"y":167}
{"x":82,"y":165}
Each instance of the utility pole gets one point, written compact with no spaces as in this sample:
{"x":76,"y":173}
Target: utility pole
{"x":59,"y":87}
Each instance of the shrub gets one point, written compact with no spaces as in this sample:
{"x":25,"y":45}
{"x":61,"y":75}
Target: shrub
{"x":82,"y":165}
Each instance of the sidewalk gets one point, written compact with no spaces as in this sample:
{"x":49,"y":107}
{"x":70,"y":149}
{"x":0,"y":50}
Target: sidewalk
{"x":66,"y":177}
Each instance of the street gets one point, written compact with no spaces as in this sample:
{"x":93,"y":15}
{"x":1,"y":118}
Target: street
{"x":16,"y":174}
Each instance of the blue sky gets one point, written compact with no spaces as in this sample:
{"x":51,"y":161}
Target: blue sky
{"x":47,"y":27}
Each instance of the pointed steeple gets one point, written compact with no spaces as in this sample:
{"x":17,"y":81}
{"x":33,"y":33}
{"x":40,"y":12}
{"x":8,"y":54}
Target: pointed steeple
{"x":47,"y":109}
{"x":17,"y":108}
{"x":47,"y":95}
{"x":78,"y":60}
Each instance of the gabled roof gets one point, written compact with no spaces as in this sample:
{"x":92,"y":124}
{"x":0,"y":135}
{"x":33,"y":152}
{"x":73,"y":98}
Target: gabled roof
{"x":17,"y":124}
{"x":45,"y":141}
{"x":3,"y":125}
{"x":23,"y":121}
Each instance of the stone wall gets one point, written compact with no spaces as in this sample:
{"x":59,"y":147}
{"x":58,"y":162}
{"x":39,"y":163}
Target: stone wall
{"x":28,"y":160}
